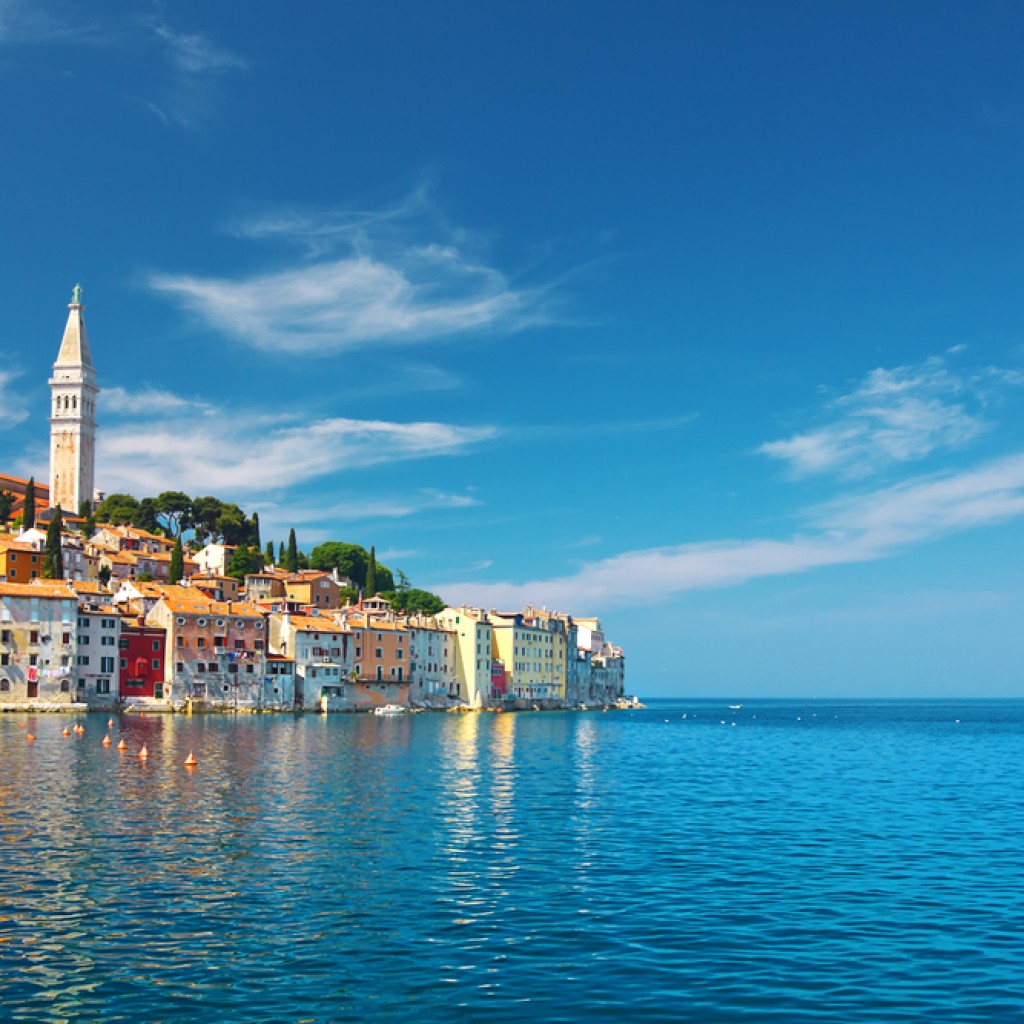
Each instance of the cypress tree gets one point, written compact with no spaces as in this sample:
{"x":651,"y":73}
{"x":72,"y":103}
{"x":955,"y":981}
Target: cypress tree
{"x":53,"y":559}
{"x":280,"y":554}
{"x":370,"y":588}
{"x":268,"y":556}
{"x":177,"y":569}
{"x":254,"y":540}
{"x":291,"y":559}
{"x":28,"y":517}
{"x":6,"y":504}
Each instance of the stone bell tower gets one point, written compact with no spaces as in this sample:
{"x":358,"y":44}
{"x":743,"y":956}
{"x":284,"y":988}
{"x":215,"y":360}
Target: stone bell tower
{"x":73,"y":393}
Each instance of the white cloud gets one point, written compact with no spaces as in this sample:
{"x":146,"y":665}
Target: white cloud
{"x":192,"y":53}
{"x":397,"y":275}
{"x":365,"y":508}
{"x":148,"y":402}
{"x":233,"y":454}
{"x":857,"y":529}
{"x":896,"y":416}
{"x":29,"y":22}
{"x":12,"y":403}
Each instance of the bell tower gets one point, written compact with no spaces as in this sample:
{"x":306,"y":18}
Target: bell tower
{"x":73,"y":394}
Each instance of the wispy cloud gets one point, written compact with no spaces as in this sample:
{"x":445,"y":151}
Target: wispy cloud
{"x":12,"y":404}
{"x":896,"y":416}
{"x":356,"y":509}
{"x":856,"y":529}
{"x":394,"y":276}
{"x":32,"y":22}
{"x":149,"y":402}
{"x":193,"y":65}
{"x":246,"y":455}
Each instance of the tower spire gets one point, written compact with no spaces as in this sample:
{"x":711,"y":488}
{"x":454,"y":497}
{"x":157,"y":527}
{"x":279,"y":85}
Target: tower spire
{"x":73,"y":414}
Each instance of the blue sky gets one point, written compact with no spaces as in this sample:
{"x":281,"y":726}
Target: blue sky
{"x":703,"y":318}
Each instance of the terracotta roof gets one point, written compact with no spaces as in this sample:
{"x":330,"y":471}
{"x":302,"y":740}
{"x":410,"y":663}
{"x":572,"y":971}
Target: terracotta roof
{"x":227,"y":609}
{"x":49,"y":588}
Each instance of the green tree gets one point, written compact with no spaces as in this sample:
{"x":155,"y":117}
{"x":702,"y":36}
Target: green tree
{"x":370,"y":586}
{"x":84,"y":508}
{"x":243,"y":562}
{"x":177,"y":567}
{"x":6,"y":504}
{"x":291,"y":558}
{"x":174,"y":510}
{"x":232,"y":526}
{"x":423,"y":602}
{"x":280,"y":555}
{"x":118,"y":509}
{"x":268,"y":555}
{"x":205,"y":512}
{"x":385,"y":581}
{"x":254,"y":531}
{"x":104,"y":574}
{"x":145,"y":577}
{"x":53,"y":557}
{"x":89,"y":526}
{"x":348,"y":559}
{"x":146,"y":517}
{"x":28,"y":516}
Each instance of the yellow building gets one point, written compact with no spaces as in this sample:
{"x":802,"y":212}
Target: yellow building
{"x":473,"y":644}
{"x":533,"y":652}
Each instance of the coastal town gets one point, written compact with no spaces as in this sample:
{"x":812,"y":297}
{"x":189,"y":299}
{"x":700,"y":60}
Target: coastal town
{"x":99,"y":615}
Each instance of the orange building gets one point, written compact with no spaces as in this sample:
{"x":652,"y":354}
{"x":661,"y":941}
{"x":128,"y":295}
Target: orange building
{"x":19,"y":562}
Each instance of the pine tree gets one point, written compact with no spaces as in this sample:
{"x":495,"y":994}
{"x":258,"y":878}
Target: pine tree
{"x":291,"y":559}
{"x":177,"y":568}
{"x":28,"y":517}
{"x":53,"y":559}
{"x":268,"y":555}
{"x":371,"y":574}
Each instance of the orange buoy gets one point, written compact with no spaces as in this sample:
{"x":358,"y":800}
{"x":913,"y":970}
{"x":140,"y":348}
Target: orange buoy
{"x":66,"y":732}
{"x":143,"y":753}
{"x":191,"y":761}
{"x":106,"y":741}
{"x":122,"y":745}
{"x":30,"y":737}
{"x":142,"y":714}
{"x":110,"y":723}
{"x":21,"y":725}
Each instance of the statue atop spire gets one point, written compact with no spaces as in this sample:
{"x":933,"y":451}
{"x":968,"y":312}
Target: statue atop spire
{"x":76,"y":295}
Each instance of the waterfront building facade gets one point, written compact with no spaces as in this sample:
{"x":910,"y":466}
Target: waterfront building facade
{"x":97,"y":652}
{"x":472,"y":639}
{"x":38,"y":626}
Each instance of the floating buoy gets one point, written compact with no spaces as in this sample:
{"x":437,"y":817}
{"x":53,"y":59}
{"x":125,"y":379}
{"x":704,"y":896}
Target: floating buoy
{"x":21,"y":725}
{"x":110,"y":723}
{"x":30,"y":737}
{"x":142,"y":714}
{"x":190,"y":761}
{"x":106,"y":741}
{"x":66,"y":732}
{"x":143,"y":753}
{"x":122,"y":745}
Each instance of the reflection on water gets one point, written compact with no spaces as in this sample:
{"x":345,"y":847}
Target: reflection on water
{"x":854,"y":865}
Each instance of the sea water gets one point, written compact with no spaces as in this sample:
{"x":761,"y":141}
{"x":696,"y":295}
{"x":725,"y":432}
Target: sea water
{"x":784,"y":861}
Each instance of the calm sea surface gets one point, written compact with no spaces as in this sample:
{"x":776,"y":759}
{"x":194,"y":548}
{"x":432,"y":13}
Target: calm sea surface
{"x":813,"y":862}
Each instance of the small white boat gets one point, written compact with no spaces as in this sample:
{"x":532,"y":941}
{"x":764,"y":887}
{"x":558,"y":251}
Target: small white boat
{"x":735,"y":707}
{"x":390,"y":709}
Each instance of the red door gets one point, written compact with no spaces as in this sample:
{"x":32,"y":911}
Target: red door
{"x":33,"y":689}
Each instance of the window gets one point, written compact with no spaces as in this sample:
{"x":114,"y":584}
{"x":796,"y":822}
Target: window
{"x":83,"y":659}
{"x":5,"y":659}
{"x":250,"y":669}
{"x":200,"y":666}
{"x":156,"y":645}
{"x":179,"y":666}
{"x":239,"y":644}
{"x":106,"y":641}
{"x":378,"y":652}
{"x":180,"y":620}
{"x":239,"y":624}
{"x":380,"y":673}
{"x":258,"y":644}
{"x":200,"y":622}
{"x":180,"y":642}
{"x":218,"y":641}
{"x":33,"y":659}
{"x":220,"y":623}
{"x":65,"y":686}
{"x":212,"y":666}
{"x":83,"y":623}
{"x":124,"y":663}
{"x":200,"y":641}
{"x":81,"y":684}
{"x":106,"y":664}
{"x":107,"y":623}
{"x":123,"y":643}
{"x":103,"y":686}
{"x":33,"y":636}
{"x":399,"y":653}
{"x":5,"y":686}
{"x":156,"y":663}
{"x":259,"y":625}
